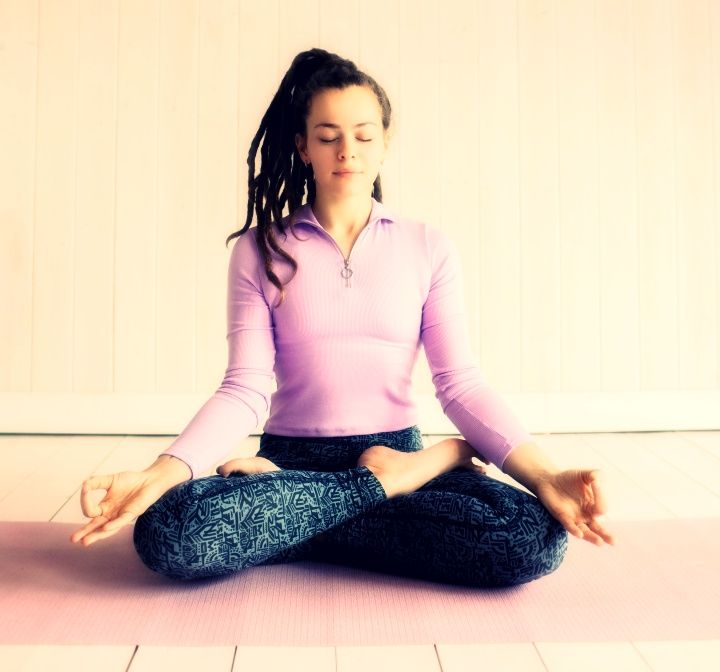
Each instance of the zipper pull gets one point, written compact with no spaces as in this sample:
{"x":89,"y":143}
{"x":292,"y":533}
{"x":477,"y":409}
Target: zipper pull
{"x":346,"y":272}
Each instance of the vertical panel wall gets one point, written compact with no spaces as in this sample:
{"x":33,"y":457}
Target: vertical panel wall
{"x":571,"y":148}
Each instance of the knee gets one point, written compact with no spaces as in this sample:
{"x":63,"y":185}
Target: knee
{"x":157,"y":536}
{"x":536,"y":550}
{"x":174,"y":538}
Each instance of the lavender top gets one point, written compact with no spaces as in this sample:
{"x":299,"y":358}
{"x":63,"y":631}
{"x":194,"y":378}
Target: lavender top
{"x":342,"y":349}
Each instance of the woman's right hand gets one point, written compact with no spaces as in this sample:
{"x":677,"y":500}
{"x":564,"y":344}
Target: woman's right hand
{"x":129,"y":494}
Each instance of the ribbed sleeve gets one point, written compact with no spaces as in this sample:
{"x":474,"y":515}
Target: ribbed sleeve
{"x":477,"y":411}
{"x":234,"y":410}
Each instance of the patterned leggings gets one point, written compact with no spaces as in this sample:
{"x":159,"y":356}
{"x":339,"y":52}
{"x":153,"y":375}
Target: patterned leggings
{"x":462,"y":527}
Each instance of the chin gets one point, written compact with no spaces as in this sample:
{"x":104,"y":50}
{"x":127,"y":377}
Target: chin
{"x":352,"y":190}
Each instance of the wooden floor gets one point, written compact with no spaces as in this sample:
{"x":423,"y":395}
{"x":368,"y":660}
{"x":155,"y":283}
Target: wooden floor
{"x":647,"y":475}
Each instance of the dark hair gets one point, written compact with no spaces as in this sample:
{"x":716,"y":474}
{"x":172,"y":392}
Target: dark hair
{"x":283,"y":177}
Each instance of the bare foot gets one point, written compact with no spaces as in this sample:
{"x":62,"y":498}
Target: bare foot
{"x":401,"y":473}
{"x":247,"y":465}
{"x":390,"y":467}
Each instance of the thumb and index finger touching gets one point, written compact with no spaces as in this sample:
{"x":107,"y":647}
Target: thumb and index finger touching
{"x":108,"y":516}
{"x":100,"y":482}
{"x":592,"y":478}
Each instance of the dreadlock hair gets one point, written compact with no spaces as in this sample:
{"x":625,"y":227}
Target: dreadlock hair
{"x":283,"y":177}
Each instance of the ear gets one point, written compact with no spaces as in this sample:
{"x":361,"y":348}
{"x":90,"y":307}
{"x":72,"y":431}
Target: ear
{"x":386,"y":143}
{"x":387,"y":136}
{"x":301,"y":144}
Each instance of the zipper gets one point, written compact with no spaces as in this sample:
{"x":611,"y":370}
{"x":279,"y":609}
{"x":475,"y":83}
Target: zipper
{"x":346,"y":272}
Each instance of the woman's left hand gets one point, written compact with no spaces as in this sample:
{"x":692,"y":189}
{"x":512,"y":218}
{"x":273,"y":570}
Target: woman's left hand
{"x":573,"y":497}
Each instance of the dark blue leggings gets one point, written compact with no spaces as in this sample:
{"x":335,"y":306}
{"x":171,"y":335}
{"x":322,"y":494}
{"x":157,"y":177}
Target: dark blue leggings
{"x":462,"y":527}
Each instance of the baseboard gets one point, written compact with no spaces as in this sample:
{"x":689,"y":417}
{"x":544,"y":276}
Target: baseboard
{"x":168,"y":414}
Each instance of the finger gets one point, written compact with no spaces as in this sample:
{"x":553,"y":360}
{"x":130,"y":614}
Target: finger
{"x":125,"y":518}
{"x":602,"y":532}
{"x":572,"y":527}
{"x":590,"y":536}
{"x":99,"y":521}
{"x":110,"y":528}
{"x":101,"y":482}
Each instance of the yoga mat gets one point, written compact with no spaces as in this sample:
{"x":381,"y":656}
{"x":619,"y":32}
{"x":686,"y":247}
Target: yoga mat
{"x":659,"y":582}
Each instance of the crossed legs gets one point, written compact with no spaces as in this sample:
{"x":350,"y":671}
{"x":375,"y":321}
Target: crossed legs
{"x":460,"y":527}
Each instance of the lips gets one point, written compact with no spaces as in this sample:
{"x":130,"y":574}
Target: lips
{"x":345,"y":172}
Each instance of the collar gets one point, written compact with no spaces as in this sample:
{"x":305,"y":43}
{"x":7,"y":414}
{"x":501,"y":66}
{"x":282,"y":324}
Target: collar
{"x":379,"y":212}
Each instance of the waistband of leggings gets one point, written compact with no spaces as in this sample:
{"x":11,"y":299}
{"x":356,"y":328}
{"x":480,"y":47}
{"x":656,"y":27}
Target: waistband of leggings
{"x":377,"y":437}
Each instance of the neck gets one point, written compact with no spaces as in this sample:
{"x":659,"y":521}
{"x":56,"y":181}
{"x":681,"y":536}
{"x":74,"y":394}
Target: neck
{"x":342,"y":216}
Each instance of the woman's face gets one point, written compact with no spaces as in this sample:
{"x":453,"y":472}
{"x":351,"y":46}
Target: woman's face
{"x":344,"y":132}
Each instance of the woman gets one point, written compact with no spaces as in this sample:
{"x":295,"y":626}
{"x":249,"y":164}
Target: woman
{"x":341,"y":474}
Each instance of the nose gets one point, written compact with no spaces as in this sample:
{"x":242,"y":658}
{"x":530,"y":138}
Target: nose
{"x":346,"y":149}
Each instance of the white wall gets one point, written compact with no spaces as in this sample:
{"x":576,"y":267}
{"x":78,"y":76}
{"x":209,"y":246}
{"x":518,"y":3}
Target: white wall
{"x":570,"y":147}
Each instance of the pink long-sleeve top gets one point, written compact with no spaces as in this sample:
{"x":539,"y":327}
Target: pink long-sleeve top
{"x":342,"y":349}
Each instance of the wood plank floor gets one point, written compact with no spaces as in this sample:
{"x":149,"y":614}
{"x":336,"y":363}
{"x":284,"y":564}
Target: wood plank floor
{"x":647,"y":475}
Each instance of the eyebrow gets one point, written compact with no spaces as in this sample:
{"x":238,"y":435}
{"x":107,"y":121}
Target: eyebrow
{"x":364,"y":123}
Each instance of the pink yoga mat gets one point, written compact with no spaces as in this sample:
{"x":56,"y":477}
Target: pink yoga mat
{"x":659,"y":582}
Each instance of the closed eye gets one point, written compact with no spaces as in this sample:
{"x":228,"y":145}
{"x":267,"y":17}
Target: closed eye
{"x":333,"y":140}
